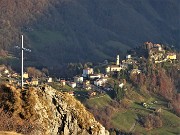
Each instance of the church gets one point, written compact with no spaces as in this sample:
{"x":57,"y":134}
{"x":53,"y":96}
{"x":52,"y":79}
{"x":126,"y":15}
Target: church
{"x":113,"y":68}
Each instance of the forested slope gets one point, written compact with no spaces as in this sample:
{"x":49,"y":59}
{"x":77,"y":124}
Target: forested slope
{"x":91,"y":30}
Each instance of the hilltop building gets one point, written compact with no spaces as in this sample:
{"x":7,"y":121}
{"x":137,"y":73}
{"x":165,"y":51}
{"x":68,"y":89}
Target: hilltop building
{"x":113,"y":68}
{"x":157,"y":53}
{"x":150,"y":45}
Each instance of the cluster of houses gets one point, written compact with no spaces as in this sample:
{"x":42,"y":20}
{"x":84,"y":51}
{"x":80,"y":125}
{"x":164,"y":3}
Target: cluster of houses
{"x":125,"y":64}
{"x":158,"y":54}
{"x":14,"y":78}
{"x":7,"y":74}
{"x":87,"y":80}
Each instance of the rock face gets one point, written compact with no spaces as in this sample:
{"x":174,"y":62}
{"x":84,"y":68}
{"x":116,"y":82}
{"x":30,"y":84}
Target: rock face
{"x":52,"y":112}
{"x":64,"y":114}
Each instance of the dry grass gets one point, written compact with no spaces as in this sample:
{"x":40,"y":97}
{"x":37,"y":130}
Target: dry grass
{"x":16,"y":110}
{"x":126,"y":103}
{"x":29,"y":102}
{"x":18,"y":102}
{"x":8,"y":133}
{"x":10,"y":99}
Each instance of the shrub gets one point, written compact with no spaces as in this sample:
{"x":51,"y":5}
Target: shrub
{"x":152,"y":121}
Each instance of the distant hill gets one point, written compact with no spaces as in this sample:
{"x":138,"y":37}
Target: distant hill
{"x":66,"y":31}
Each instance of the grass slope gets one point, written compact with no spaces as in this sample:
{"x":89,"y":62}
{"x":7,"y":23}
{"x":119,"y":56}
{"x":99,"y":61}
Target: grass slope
{"x":127,"y":119}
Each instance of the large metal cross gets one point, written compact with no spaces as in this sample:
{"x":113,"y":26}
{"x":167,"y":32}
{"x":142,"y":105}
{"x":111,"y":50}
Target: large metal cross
{"x":22,"y":59}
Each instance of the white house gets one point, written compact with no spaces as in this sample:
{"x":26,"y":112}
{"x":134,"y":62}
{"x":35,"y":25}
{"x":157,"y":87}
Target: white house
{"x":72,"y":84}
{"x":49,"y":79}
{"x":121,"y":85}
{"x":100,"y":82}
{"x":113,"y":68}
{"x":78,"y":79}
{"x":87,"y":72}
{"x":95,"y":76}
{"x":128,"y":56}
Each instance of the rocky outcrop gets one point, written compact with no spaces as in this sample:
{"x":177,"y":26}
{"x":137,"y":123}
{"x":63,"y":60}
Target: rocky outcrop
{"x":52,"y":112}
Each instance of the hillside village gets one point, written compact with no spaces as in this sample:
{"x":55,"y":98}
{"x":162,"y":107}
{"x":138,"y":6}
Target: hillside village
{"x":118,"y":87}
{"x":98,"y":83}
{"x":90,"y":69}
